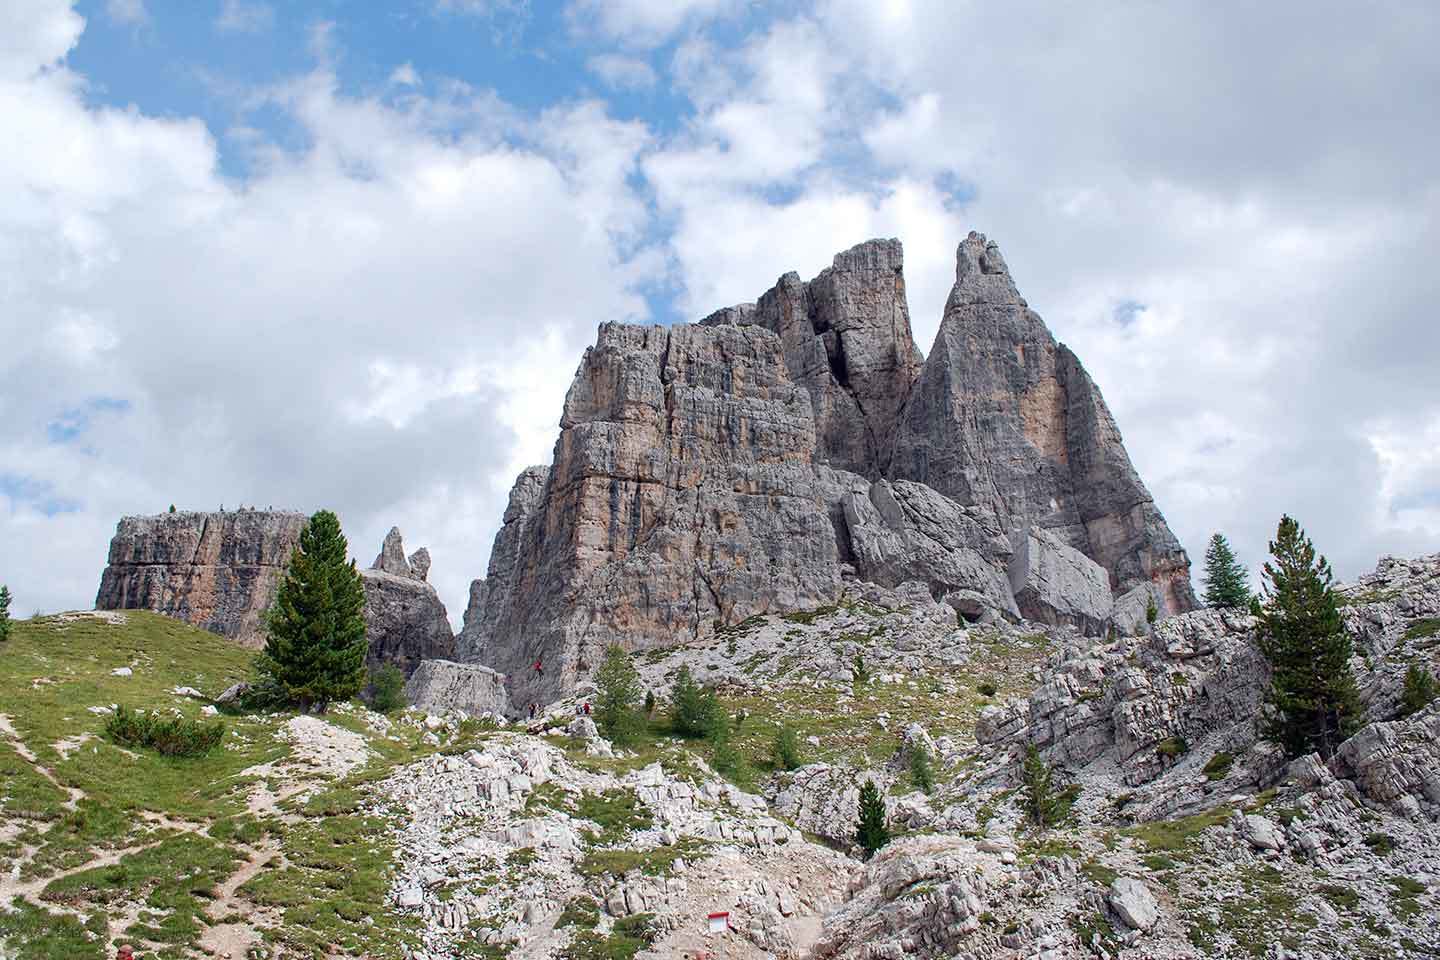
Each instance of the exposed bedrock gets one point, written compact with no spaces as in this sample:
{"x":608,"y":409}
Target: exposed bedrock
{"x":219,"y":571}
{"x":759,"y":460}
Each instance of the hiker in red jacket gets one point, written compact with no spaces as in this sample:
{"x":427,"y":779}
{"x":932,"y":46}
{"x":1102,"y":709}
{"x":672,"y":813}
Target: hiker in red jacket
{"x":539,"y":668}
{"x":126,"y":952}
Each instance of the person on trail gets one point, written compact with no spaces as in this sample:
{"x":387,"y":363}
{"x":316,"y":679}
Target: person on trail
{"x":587,"y":708}
{"x":540,"y":668}
{"x":579,"y":709}
{"x":126,"y":952}
{"x":532,"y":711}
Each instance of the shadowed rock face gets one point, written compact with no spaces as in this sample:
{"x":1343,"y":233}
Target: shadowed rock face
{"x":481,"y":616}
{"x":220,"y":571}
{"x":217,"y":571}
{"x":755,"y":462}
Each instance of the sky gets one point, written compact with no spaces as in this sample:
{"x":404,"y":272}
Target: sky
{"x":348,"y":255}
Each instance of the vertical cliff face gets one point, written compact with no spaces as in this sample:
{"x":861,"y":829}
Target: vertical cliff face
{"x":682,"y":494}
{"x":217,"y":571}
{"x":1005,"y":417}
{"x":756,"y":461}
{"x":846,"y":337}
{"x":482,"y":616}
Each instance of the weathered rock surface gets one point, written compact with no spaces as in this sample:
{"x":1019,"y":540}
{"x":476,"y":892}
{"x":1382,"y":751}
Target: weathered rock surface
{"x":1003,"y":416}
{"x":760,"y":460}
{"x":1134,"y":902}
{"x":1057,"y":584}
{"x":905,"y":531}
{"x":405,"y":621}
{"x":217,"y":571}
{"x":846,"y":337}
{"x":481,"y":615}
{"x":443,"y":685}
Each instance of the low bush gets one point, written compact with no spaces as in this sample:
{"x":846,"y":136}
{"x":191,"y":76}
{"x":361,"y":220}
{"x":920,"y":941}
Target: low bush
{"x":387,"y":688}
{"x":1418,"y":692}
{"x":785,"y":749}
{"x":171,"y":736}
{"x":1172,"y":747}
{"x":1218,"y":767}
{"x":987,"y":689}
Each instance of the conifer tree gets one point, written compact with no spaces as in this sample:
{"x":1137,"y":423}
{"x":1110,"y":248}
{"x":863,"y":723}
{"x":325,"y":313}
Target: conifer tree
{"x":1312,"y":690}
{"x":1039,"y":797}
{"x":1226,"y":582}
{"x":619,"y":684}
{"x":316,"y":646}
{"x":4,"y":612}
{"x":692,"y":706}
{"x":1419,"y":690}
{"x":871,"y":833}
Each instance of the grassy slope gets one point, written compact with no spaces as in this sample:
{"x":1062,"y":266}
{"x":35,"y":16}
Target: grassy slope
{"x":185,"y":820}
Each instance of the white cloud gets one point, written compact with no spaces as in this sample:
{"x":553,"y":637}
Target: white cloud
{"x":326,"y":334}
{"x":130,"y":12}
{"x":34,"y":34}
{"x":645,"y":23}
{"x":240,"y":16}
{"x":405,"y":75}
{"x":621,"y":72}
{"x":1256,"y":191}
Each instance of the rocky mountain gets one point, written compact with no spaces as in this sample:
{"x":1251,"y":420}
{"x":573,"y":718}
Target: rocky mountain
{"x":219,"y":571}
{"x":760,"y":460}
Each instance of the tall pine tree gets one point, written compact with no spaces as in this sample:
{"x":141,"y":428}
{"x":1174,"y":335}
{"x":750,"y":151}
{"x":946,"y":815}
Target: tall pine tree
{"x":1226,"y":582}
{"x":4,"y":612}
{"x":1312,"y":690}
{"x":619,"y":696}
{"x":316,"y":646}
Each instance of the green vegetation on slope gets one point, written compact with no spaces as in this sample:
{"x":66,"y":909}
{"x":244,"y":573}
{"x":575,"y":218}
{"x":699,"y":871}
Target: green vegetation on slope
{"x":118,"y":843}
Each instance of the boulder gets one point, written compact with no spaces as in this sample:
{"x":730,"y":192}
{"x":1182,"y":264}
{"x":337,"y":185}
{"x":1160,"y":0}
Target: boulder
{"x":1133,"y":902}
{"x":1056,"y":584}
{"x":444,"y":685}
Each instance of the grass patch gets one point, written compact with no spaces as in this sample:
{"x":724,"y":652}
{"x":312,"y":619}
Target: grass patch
{"x":1172,"y":747}
{"x":1218,"y":766}
{"x":656,"y":862}
{"x":1423,"y":628}
{"x":1100,"y":873}
{"x":1174,"y":836}
{"x":1382,"y":844}
{"x":175,"y":878}
{"x":1340,"y":897}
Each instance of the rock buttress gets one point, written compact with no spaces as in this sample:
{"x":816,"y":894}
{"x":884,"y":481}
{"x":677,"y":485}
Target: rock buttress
{"x":1005,"y":418}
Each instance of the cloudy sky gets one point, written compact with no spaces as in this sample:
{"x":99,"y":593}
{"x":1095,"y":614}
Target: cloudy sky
{"x":327,"y":254}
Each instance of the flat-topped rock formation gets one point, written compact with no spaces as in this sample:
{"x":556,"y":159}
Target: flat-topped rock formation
{"x":216,"y":570}
{"x":219,"y":571}
{"x":762,"y":459}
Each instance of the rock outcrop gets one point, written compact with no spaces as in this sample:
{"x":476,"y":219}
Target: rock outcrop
{"x":405,"y":621}
{"x":1005,"y":418}
{"x":443,"y":685}
{"x":481,"y":616}
{"x":217,"y":570}
{"x":758,"y":461}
